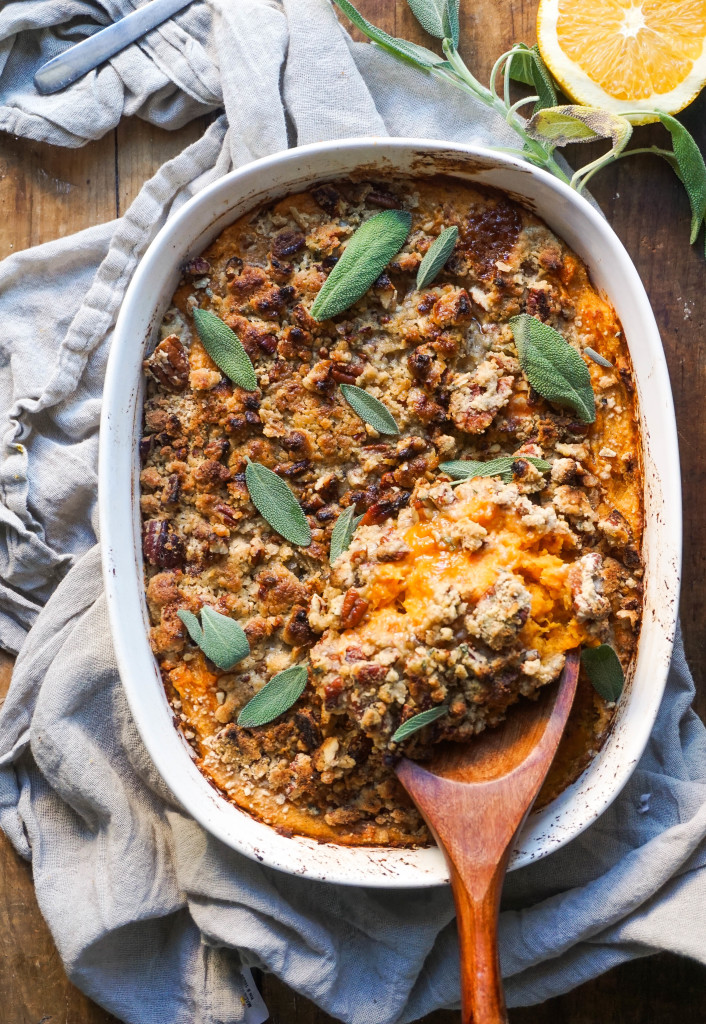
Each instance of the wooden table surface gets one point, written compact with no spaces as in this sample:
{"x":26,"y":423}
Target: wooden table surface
{"x":46,"y":193}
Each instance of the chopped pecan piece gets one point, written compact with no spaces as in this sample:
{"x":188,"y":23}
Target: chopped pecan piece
{"x":217,"y":448}
{"x":382,"y":510}
{"x":161,"y":546}
{"x":354,"y":609}
{"x":453,"y":308}
{"x":293,"y":469}
{"x":297,"y":441}
{"x":198,"y":267}
{"x":233,"y":267}
{"x":382,"y":197}
{"x":171,"y":490}
{"x":308,"y":728}
{"x":297,"y":630}
{"x":169,"y":364}
{"x":327,"y":197}
{"x":288,"y":242}
{"x":346,"y":373}
{"x":542,"y":303}
{"x":227,"y":513}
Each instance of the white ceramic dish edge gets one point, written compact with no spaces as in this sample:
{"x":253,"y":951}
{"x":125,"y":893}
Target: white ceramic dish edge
{"x":190,"y":230}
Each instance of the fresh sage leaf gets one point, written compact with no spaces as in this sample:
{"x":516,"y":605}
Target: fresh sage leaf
{"x":467,"y":469}
{"x":437,"y":17}
{"x":436,"y":256}
{"x":224,"y":641}
{"x":410,"y":53}
{"x":554,"y":369}
{"x":560,"y":126}
{"x":597,"y":357}
{"x":220,"y":638}
{"x":225,"y":349}
{"x":369,"y":409}
{"x":276,"y":697}
{"x":691,"y":170}
{"x":277,"y":504}
{"x":418,"y":722}
{"x":520,"y":69}
{"x":366,"y":255}
{"x":604,"y":670}
{"x":342,"y":533}
{"x":452,"y":29}
{"x":527,"y":66}
{"x":192,"y":624}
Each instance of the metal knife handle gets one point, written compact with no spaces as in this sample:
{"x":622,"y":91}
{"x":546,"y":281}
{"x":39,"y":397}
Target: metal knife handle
{"x":90,"y":52}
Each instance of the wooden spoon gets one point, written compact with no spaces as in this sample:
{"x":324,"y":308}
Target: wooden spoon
{"x":475,"y":797}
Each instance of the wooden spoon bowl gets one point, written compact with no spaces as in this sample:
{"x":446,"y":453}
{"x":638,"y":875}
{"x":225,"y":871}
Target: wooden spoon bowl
{"x":475,"y":797}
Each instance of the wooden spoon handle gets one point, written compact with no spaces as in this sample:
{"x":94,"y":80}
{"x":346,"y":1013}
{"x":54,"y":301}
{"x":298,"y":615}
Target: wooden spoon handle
{"x":474,"y":803}
{"x":482,"y":1000}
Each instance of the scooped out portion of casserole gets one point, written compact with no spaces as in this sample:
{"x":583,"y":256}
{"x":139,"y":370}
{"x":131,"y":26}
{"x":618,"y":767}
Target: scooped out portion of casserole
{"x":369,"y":502}
{"x":469,"y":599}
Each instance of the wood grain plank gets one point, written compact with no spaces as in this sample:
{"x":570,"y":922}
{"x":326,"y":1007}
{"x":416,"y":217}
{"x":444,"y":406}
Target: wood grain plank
{"x":33,"y":983}
{"x":647,"y":207}
{"x":47,"y":193}
{"x":663,"y":989}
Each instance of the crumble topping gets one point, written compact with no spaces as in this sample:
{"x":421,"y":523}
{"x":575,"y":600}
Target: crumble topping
{"x":466,"y":594}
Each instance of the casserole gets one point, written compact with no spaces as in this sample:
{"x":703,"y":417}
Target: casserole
{"x":192,"y":229}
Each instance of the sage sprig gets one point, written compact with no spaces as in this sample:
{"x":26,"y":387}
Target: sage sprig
{"x":225,"y":349}
{"x":366,"y":255}
{"x":554,"y":369}
{"x":220,"y":638}
{"x":418,"y":722}
{"x":277,"y":504}
{"x":277,"y":696}
{"x":370,"y":409}
{"x":538,"y":139}
{"x":342,"y":533}
{"x":410,"y":53}
{"x":604,"y":670}
{"x":436,"y":256}
{"x":467,"y":469}
{"x":526,"y":66}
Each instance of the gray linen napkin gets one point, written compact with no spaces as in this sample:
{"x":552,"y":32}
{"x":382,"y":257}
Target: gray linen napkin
{"x":152,"y":916}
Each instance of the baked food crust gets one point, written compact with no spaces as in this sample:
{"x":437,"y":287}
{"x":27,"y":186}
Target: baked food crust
{"x":462,"y":595}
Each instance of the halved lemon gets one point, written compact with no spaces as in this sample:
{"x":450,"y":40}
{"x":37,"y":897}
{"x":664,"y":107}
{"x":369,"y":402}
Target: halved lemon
{"x":626,"y":55}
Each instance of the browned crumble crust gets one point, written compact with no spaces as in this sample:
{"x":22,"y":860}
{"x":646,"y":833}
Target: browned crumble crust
{"x":444,"y":362}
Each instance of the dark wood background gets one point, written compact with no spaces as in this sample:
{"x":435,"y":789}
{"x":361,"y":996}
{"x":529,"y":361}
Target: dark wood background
{"x":46,"y":193}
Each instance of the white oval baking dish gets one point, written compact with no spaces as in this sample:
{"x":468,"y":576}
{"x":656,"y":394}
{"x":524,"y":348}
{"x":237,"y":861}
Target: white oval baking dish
{"x":187,"y":234}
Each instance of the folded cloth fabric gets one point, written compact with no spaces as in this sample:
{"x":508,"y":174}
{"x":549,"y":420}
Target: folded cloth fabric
{"x":152,"y":916}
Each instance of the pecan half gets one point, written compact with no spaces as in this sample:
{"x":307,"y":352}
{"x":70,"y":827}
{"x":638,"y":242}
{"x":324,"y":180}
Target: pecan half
{"x":169,"y":364}
{"x":161,"y":546}
{"x":382,"y":510}
{"x":354,"y":609}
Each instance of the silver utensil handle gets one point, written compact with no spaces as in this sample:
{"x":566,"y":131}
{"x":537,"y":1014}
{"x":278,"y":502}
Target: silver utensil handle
{"x":89,"y":53}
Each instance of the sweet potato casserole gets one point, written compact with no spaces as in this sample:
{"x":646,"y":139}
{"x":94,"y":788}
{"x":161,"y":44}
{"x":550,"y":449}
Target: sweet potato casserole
{"x":457,"y":594}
